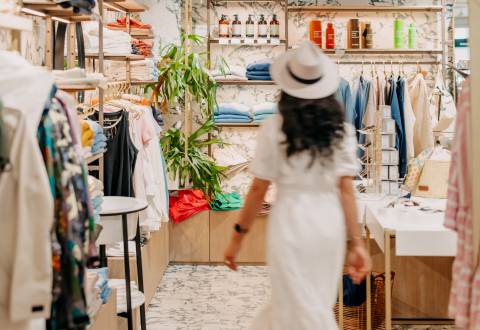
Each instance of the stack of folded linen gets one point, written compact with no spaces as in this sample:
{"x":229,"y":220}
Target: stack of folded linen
{"x":87,"y":136}
{"x":136,"y":27}
{"x":263,"y":111}
{"x":227,"y":202}
{"x":234,"y":73}
{"x":138,"y":298}
{"x":259,"y":70}
{"x":78,"y":76}
{"x":144,"y":70}
{"x":95,"y":190}
{"x":142,"y":47}
{"x":232,"y":113}
{"x":114,"y":42}
{"x":99,"y":140}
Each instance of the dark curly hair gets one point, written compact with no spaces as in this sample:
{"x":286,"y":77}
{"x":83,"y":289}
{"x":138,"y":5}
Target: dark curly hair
{"x":316,"y":126}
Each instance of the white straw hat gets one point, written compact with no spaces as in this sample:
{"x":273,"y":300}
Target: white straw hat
{"x":305,"y":72}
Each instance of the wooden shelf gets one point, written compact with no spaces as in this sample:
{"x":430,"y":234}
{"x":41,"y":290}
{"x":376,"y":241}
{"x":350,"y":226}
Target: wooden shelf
{"x":110,"y":57}
{"x":77,"y":87}
{"x":254,"y":1}
{"x":144,"y":82}
{"x":238,"y":124}
{"x":245,"y":82}
{"x":381,"y":51}
{"x":51,"y":9}
{"x":15,"y":22}
{"x":93,"y":158}
{"x":126,"y":6}
{"x":242,"y":42}
{"x":365,"y":8}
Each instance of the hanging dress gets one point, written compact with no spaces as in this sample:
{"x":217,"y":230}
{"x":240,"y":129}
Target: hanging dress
{"x":306,"y":231}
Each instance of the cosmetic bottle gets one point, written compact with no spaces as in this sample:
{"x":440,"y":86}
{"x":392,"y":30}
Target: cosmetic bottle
{"x":250,"y":27}
{"x":262,"y":27}
{"x":330,"y":36}
{"x":274,"y":27}
{"x":223,"y":27}
{"x":412,"y":37}
{"x":236,"y":27}
{"x":398,"y":37}
{"x":316,"y":31}
{"x":367,"y":36}
{"x":354,"y":33}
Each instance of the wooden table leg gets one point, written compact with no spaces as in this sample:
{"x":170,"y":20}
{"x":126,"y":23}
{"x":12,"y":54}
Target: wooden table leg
{"x":369,"y":287}
{"x":388,"y":281}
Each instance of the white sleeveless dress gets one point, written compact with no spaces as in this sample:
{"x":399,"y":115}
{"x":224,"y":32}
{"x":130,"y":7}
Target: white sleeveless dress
{"x":306,"y":231}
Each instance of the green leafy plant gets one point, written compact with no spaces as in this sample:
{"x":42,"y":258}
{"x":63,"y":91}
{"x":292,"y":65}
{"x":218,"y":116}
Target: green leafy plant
{"x":182,"y":69}
{"x":193,"y":167}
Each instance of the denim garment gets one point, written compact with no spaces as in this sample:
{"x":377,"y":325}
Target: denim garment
{"x":401,"y":103}
{"x":259,"y":66}
{"x":361,"y":100}
{"x":397,"y":116}
{"x":344,"y":96}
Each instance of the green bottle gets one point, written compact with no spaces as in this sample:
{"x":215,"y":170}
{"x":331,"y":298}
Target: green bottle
{"x":412,"y":36}
{"x":398,"y":39}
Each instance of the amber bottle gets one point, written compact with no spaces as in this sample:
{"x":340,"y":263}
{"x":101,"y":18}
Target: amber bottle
{"x":223,"y":27}
{"x":236,"y":27}
{"x":262,"y":27}
{"x":274,"y":27}
{"x":330,"y":36}
{"x":316,"y":31}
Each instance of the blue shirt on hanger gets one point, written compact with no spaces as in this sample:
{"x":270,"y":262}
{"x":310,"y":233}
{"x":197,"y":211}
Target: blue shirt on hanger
{"x":344,"y":96}
{"x":397,"y":116}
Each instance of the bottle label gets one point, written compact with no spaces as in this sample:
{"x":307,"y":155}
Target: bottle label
{"x":262,"y":30}
{"x":250,"y":30}
{"x":274,"y":30}
{"x":237,"y":30}
{"x":224,"y":30}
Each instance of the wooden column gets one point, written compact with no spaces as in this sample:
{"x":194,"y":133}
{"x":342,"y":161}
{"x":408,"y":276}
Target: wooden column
{"x":48,"y":43}
{"x":188,"y":104}
{"x":474,"y":39}
{"x":71,"y":45}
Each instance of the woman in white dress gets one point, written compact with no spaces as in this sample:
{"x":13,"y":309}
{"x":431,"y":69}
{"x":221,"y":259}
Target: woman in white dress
{"x":310,"y":154}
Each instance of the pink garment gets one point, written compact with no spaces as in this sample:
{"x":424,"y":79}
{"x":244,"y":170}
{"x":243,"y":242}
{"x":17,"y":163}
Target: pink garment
{"x":465,"y":292}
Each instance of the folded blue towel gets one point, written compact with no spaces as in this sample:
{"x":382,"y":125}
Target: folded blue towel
{"x":96,"y":147}
{"x":233,"y":120}
{"x":265,"y":112}
{"x":262,"y":117}
{"x":96,"y":128}
{"x":100,"y":151}
{"x":253,"y":77}
{"x":258,"y":73}
{"x":99,"y":137}
{"x":259,"y":66}
{"x":105,"y":294}
{"x":232,"y":117}
{"x":232,"y":108}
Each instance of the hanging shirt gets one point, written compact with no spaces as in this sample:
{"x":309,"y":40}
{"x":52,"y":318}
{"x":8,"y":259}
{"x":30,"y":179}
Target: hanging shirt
{"x":361,"y":100}
{"x":442,"y":107}
{"x":403,"y":147}
{"x":372,"y":104}
{"x":409,"y":125}
{"x":422,"y":130}
{"x":344,"y":96}
{"x":397,"y":116}
{"x":120,"y":158}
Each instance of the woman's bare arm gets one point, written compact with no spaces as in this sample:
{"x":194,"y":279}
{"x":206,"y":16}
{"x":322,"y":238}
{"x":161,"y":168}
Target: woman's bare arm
{"x":252,"y":206}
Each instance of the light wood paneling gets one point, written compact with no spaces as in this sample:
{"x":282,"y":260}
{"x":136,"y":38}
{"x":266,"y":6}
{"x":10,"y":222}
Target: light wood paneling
{"x":221,"y":227}
{"x":189,"y":239}
{"x":106,"y":317}
{"x":421,"y":286}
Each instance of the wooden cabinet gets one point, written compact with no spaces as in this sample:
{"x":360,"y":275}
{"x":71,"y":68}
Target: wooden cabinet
{"x":190,"y":239}
{"x":221,"y":227}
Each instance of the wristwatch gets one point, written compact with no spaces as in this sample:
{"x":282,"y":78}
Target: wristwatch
{"x":239,"y":229}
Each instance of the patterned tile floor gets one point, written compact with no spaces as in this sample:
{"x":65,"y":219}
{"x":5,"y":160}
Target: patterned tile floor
{"x":214,"y":298}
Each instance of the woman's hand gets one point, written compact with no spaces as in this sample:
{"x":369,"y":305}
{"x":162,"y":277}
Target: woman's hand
{"x":359,"y":263}
{"x":231,"y":253}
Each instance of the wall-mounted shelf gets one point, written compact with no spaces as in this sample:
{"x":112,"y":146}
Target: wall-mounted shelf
{"x":365,"y":9}
{"x":15,"y":22}
{"x":245,"y":82}
{"x":51,"y":9}
{"x":111,"y":57}
{"x":125,"y":6}
{"x":240,"y":1}
{"x":381,"y":51}
{"x":237,"y":124}
{"x":268,"y":42}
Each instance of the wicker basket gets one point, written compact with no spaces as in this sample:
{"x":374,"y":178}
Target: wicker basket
{"x":355,"y":318}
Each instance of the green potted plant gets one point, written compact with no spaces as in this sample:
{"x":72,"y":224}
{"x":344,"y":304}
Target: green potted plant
{"x":194,"y":167}
{"x":184,"y":70}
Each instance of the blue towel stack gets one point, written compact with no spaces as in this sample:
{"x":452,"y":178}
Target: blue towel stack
{"x":259,"y":70}
{"x":100,"y":140}
{"x":232,"y":113}
{"x":102,"y":283}
{"x":263,"y":111}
